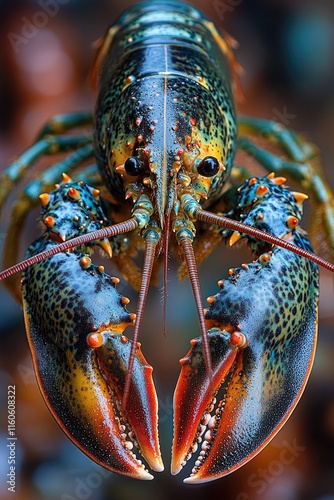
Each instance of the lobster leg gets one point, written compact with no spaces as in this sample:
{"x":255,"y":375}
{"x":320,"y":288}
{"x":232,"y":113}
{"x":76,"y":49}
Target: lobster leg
{"x":293,"y":144}
{"x":61,"y":123}
{"x":27,"y":200}
{"x":262,"y":327}
{"x":303,"y":165}
{"x":47,"y":146}
{"x":48,"y":142}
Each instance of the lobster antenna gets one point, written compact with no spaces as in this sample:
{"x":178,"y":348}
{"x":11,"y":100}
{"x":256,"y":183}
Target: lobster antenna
{"x":221,"y":221}
{"x":193,"y":276}
{"x":165,"y":273}
{"x":150,"y":247}
{"x":105,"y":232}
{"x":132,"y":223}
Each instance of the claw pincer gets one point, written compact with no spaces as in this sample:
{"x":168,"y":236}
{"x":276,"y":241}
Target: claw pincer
{"x":262,"y":328}
{"x":75,"y":320}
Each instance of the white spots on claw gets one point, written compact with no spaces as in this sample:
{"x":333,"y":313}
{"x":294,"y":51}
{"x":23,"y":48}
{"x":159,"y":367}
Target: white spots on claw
{"x":204,"y":436}
{"x":212,"y":422}
{"x":208,"y":436}
{"x":206,"y":419}
{"x":202,"y":429}
{"x":194,"y":447}
{"x":205,"y":446}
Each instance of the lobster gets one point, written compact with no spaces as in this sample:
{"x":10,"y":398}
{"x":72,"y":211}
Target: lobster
{"x":164,"y":142}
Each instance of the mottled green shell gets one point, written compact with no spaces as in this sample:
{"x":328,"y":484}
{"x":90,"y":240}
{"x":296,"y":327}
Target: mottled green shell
{"x":272,"y":301}
{"x":164,"y":80}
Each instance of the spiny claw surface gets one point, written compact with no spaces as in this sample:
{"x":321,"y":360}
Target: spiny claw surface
{"x":75,"y":320}
{"x":259,"y":374}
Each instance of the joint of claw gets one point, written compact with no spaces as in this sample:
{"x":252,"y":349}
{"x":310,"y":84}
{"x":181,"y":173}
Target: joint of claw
{"x":94,"y":340}
{"x":292,"y":222}
{"x":238,"y":339}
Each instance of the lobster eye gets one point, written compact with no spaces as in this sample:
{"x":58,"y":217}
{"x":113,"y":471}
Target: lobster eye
{"x":208,"y":167}
{"x":133,"y":166}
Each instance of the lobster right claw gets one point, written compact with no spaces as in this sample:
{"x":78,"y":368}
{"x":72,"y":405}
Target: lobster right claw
{"x":141,"y":411}
{"x":75,"y":320}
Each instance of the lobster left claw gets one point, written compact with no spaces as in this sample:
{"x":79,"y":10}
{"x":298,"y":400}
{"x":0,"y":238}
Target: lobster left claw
{"x":262,"y":328}
{"x":259,"y":375}
{"x":194,"y":396}
{"x":75,"y":320}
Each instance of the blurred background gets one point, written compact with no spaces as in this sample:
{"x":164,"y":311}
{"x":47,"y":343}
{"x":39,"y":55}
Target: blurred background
{"x":287,"y":51}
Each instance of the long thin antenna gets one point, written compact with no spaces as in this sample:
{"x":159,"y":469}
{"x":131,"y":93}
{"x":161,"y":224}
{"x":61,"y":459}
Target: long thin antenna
{"x":150,"y":247}
{"x":105,"y":232}
{"x":193,"y":276}
{"x":165,"y":272}
{"x":221,"y":221}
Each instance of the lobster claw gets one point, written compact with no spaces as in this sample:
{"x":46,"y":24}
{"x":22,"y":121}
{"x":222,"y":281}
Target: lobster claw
{"x":80,"y":355}
{"x":257,"y":375}
{"x":141,"y":410}
{"x":195,"y":390}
